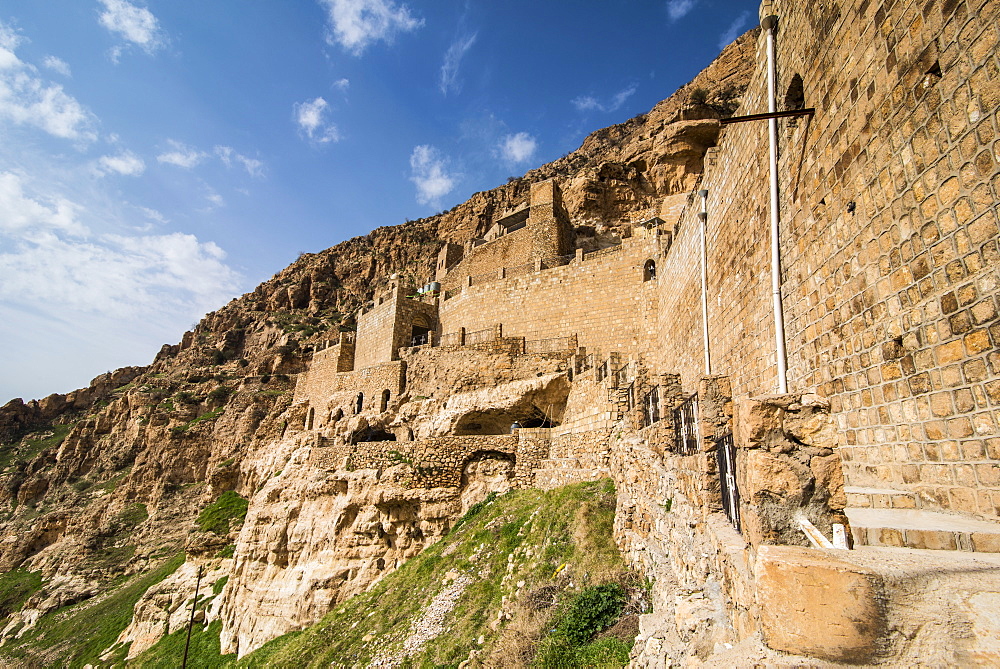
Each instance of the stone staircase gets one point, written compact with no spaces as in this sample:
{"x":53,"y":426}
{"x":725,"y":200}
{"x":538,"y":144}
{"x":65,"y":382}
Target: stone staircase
{"x":895,"y":518}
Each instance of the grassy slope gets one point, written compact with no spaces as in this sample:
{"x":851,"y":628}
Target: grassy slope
{"x":557,"y":545}
{"x":75,"y":635}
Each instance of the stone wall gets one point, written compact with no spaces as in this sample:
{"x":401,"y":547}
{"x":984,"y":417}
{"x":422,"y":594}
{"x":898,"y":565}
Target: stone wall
{"x":889,"y":242}
{"x":388,"y":326}
{"x":440,"y":461}
{"x":325,"y":390}
{"x":511,"y":250}
{"x":547,"y":234}
{"x":598,"y":298}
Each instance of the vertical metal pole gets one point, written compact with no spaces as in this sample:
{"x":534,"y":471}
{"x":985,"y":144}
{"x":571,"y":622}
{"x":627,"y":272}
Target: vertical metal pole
{"x":703,"y":216}
{"x":770,"y":25}
{"x":194,"y":605}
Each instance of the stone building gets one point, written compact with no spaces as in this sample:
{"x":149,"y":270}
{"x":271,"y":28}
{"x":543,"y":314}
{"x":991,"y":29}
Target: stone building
{"x":889,"y":429}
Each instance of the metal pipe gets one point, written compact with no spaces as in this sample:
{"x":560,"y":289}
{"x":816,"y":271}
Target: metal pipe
{"x":770,"y":26}
{"x":703,"y":216}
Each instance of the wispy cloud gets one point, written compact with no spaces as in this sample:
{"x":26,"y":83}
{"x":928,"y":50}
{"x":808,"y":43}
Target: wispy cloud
{"x":132,"y":23}
{"x":357,"y":24}
{"x":430,"y":174}
{"x":452,"y":60}
{"x":26,"y":99}
{"x":311,"y":119}
{"x":678,"y":9}
{"x":518,"y":148}
{"x":51,"y":258}
{"x":214,"y":199}
{"x":20,"y":214}
{"x":181,"y":155}
{"x":590,"y":103}
{"x":342,"y":84}
{"x":735,"y":29}
{"x":126,"y":163}
{"x":230,"y":157}
{"x":57,"y":65}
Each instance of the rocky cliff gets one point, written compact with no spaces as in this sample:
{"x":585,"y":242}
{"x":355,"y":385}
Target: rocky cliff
{"x":103,"y":484}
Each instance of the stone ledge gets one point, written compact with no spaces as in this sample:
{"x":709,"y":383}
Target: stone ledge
{"x":912,"y":528}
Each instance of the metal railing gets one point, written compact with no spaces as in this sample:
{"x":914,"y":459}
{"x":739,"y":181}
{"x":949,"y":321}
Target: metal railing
{"x":520,"y":270}
{"x":602,"y":252}
{"x":450,"y":339}
{"x":687,"y":440}
{"x":557,"y":261}
{"x":725,"y":453}
{"x":485,"y":277}
{"x":480,"y":336}
{"x":551,"y":345}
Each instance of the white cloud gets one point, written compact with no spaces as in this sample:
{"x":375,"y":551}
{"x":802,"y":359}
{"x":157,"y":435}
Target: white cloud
{"x":57,"y":65}
{"x":590,"y":103}
{"x":20,"y":214}
{"x":429,"y":173}
{"x":181,"y":155}
{"x":229,"y":156}
{"x":735,"y":29}
{"x":214,"y":200}
{"x":25,"y":99}
{"x":518,"y":148}
{"x":678,"y":9}
{"x":134,"y":24}
{"x":452,"y":61}
{"x":53,"y":263}
{"x":126,"y":163}
{"x":342,"y":84}
{"x":356,"y":24}
{"x":311,"y":119}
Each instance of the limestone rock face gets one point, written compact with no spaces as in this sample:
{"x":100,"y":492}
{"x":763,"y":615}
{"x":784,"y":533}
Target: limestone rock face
{"x":314,"y":538}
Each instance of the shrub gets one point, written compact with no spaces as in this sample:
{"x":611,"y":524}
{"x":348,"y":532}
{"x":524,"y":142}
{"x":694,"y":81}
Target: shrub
{"x":219,"y":393}
{"x":591,"y":611}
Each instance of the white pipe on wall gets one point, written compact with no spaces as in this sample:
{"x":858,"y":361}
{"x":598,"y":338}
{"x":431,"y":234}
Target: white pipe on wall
{"x":770,"y":26}
{"x":703,"y":215}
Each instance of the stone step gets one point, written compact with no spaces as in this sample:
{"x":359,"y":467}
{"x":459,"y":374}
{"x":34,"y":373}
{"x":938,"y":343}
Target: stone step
{"x":880,"y":498}
{"x":917,"y":528}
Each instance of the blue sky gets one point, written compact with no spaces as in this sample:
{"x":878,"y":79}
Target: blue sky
{"x":159,"y":157}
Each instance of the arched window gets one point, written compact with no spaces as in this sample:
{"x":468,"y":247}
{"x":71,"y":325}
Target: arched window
{"x":649,"y":270}
{"x":385,"y":400}
{"x":359,"y":403}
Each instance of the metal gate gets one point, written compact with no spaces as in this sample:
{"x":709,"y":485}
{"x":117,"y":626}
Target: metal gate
{"x":725,"y":453}
{"x":687,"y":441}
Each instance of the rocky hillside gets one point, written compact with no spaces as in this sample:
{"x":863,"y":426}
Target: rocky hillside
{"x":98,"y":488}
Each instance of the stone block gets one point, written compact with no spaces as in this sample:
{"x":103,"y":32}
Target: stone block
{"x":817,"y":605}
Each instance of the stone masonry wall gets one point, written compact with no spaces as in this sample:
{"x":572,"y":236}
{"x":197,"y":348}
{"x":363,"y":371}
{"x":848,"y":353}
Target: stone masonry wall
{"x":439,"y":461}
{"x":511,"y":250}
{"x":598,"y":299}
{"x":889,"y":242}
{"x":376,"y":335}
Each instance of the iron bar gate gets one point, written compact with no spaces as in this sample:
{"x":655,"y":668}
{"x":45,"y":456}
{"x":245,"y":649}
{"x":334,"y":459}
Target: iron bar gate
{"x":725,"y":453}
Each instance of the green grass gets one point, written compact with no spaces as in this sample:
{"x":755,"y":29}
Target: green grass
{"x":76,"y":635}
{"x":26,"y":450}
{"x":211,"y":415}
{"x":534,"y":531}
{"x":204,"y":651}
{"x":15,"y":588}
{"x":223,"y":514}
